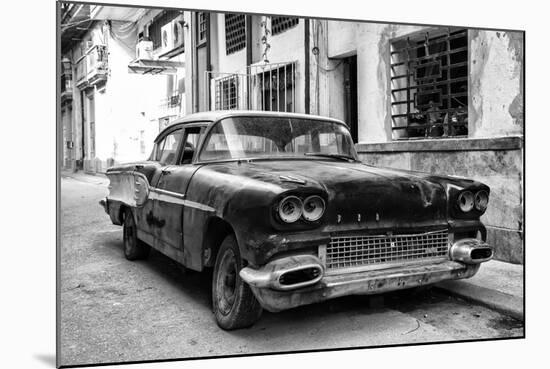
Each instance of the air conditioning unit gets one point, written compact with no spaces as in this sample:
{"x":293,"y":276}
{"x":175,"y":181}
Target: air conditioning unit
{"x":177,"y":32}
{"x":166,"y":37}
{"x":144,"y":50}
{"x":171,"y":35}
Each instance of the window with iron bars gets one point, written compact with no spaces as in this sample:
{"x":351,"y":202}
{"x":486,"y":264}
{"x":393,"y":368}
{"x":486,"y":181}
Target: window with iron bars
{"x":277,"y":87}
{"x":281,"y":24}
{"x":227,"y":93}
{"x":201,"y":27}
{"x":155,"y":32}
{"x":429,"y":85}
{"x":235,"y":33}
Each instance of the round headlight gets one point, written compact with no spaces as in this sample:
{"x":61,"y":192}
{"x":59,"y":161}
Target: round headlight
{"x":481,"y":200}
{"x":466,"y":201}
{"x":290,"y":209}
{"x":314,"y":207}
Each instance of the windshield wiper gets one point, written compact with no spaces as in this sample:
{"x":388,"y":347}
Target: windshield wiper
{"x":334,"y":156}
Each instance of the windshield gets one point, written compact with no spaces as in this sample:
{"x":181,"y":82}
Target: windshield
{"x":276,"y":137}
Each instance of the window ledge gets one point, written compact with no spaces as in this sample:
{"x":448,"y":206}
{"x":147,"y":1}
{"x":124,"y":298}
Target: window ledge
{"x":448,"y":144}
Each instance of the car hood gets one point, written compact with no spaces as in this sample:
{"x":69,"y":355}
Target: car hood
{"x":357,"y":193}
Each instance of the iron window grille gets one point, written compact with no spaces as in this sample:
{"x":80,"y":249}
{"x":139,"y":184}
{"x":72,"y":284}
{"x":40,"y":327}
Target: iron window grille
{"x":281,"y":24}
{"x":201,"y":27}
{"x":277,"y":85}
{"x":174,"y":101}
{"x":235,"y":33}
{"x":155,"y":28}
{"x":227,"y":93}
{"x":270,"y":87}
{"x":429,"y":85}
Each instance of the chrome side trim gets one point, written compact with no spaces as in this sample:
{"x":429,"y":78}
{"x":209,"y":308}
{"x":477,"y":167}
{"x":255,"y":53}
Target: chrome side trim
{"x":199,"y":206}
{"x":159,"y":195}
{"x":177,"y":198}
{"x":161,"y":191}
{"x":141,"y":190}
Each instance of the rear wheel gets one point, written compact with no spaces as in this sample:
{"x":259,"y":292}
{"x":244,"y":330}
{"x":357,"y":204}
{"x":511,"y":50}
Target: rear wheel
{"x":233,"y":302}
{"x":134,"y":248}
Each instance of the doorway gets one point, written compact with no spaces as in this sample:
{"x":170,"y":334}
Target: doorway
{"x":350,"y":94}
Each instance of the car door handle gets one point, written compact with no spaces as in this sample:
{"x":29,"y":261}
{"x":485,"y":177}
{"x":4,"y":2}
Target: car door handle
{"x":166,"y":172}
{"x":138,"y":166}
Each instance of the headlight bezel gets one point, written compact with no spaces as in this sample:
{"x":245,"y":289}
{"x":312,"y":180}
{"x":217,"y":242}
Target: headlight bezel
{"x":303,"y":220}
{"x":481,"y":200}
{"x":300,"y":207}
{"x":323,"y":204}
{"x":471,"y":202}
{"x":465,"y":201}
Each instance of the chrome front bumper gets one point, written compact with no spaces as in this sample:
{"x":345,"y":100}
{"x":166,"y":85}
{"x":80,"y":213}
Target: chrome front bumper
{"x":363,"y":283}
{"x":273,"y":296}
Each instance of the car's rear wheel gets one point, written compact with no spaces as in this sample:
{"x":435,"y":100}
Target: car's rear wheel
{"x":233,"y":302}
{"x":134,"y":248}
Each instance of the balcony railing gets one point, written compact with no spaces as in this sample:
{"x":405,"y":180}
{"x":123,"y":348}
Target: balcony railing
{"x":92,"y":67}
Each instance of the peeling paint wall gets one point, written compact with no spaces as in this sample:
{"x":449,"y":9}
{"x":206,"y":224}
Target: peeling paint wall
{"x":495,"y":77}
{"x":496,"y":83}
{"x":373,"y":79}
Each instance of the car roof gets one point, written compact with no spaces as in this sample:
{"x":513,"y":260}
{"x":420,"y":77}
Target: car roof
{"x":215,"y":115}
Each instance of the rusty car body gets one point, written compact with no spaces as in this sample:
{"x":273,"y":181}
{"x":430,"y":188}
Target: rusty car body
{"x":286,"y":214}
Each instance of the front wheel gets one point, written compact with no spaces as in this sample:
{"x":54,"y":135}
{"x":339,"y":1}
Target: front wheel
{"x":134,"y":248}
{"x":233,"y":302}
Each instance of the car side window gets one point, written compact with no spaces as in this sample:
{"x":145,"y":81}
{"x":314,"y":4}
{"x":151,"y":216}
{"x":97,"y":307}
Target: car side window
{"x":192,"y":137}
{"x":167,"y":149}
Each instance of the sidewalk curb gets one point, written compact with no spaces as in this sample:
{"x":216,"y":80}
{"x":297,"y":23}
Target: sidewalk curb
{"x":500,"y":301}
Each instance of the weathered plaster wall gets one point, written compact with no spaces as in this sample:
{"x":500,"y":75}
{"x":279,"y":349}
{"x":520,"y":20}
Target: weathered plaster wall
{"x":373,"y":79}
{"x":232,"y":63}
{"x":496,"y":83}
{"x":342,"y":37}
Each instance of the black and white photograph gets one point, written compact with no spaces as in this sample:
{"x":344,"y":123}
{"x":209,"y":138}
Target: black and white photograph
{"x":237,"y":183}
{"x":274,"y":184}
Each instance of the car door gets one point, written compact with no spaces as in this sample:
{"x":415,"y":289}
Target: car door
{"x":163,"y":153}
{"x":172,"y":187}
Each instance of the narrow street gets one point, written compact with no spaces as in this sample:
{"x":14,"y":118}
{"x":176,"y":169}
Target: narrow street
{"x":113,"y":310}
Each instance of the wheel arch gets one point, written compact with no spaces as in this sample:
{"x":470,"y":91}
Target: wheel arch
{"x":216,"y":231}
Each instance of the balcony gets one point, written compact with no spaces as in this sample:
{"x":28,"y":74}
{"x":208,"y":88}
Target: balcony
{"x":66,"y":81}
{"x":66,"y":87}
{"x":92,"y":67}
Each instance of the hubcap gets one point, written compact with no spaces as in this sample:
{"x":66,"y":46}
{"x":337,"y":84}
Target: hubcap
{"x":226,"y":283}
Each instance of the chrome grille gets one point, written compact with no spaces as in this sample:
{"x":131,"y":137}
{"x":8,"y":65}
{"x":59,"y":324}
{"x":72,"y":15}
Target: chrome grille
{"x":357,"y":250}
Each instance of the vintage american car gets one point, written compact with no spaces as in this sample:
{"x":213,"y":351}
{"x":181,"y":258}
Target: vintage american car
{"x":282,"y":209}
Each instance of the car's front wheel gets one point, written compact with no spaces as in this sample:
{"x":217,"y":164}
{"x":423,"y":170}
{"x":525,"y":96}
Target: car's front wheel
{"x":134,"y":248}
{"x":233,"y":301}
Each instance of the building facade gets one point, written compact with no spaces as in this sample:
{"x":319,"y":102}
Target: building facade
{"x":116,"y":96}
{"x":444,"y":100}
